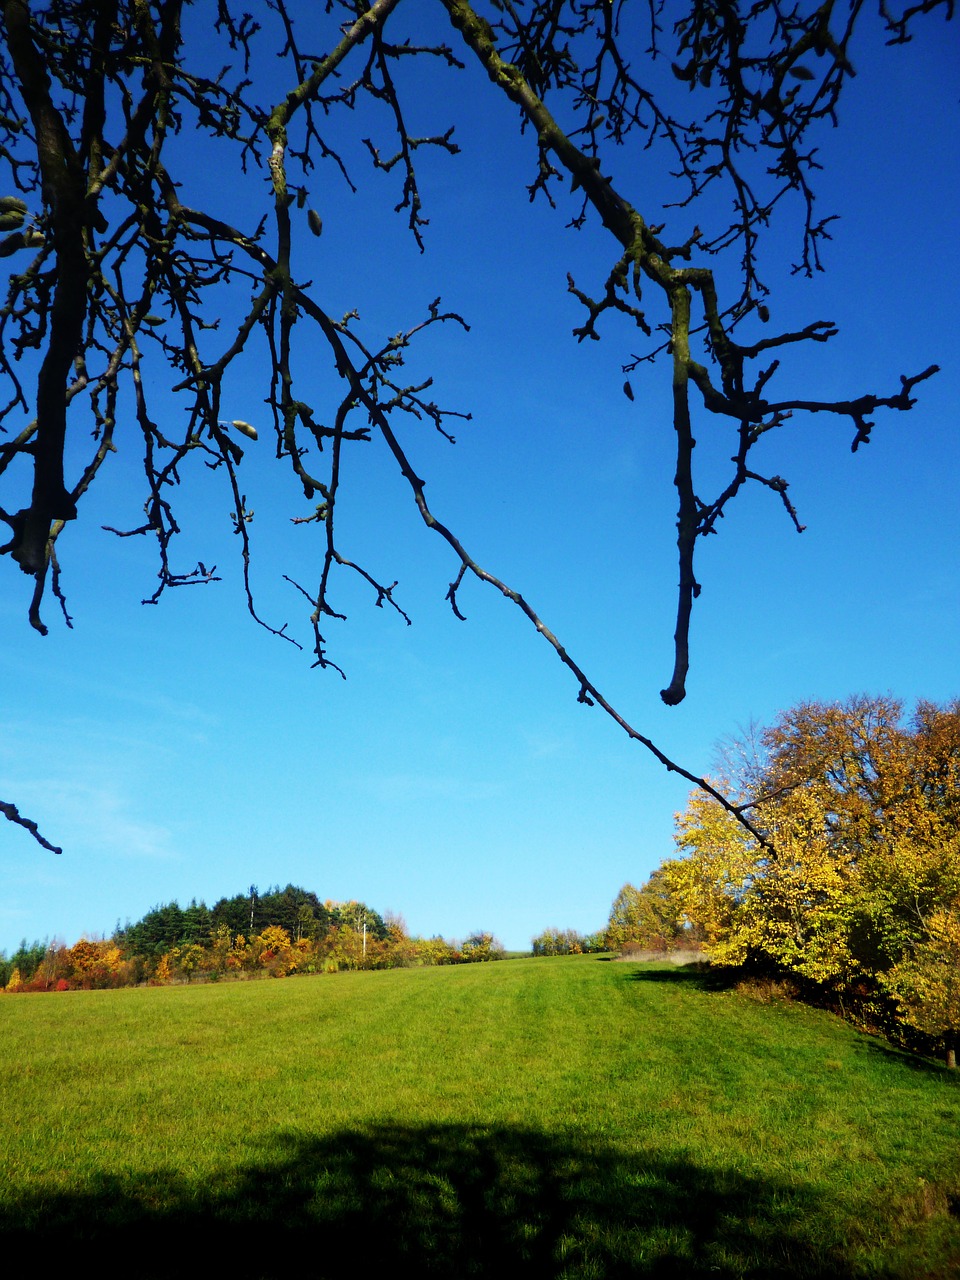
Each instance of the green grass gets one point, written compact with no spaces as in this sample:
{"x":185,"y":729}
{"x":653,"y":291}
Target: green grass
{"x":561,"y":1117}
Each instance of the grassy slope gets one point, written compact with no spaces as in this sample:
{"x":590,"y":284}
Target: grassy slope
{"x":555,"y":1117}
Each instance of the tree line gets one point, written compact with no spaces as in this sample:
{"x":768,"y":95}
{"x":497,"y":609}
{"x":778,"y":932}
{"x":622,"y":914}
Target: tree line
{"x":851,"y":889}
{"x":276,"y":933}
{"x":566,"y":942}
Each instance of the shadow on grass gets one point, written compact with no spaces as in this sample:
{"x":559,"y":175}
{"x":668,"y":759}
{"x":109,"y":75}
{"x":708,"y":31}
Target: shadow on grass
{"x":449,"y":1200}
{"x":911,"y":1059}
{"x":696,"y":977}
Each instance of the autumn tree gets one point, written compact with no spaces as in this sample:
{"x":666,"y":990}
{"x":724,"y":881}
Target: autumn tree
{"x":480,"y":947}
{"x":710,"y":882}
{"x":649,"y":917}
{"x":436,"y":951}
{"x":857,"y":878}
{"x":926,"y":982}
{"x":275,"y":951}
{"x":135,"y":292}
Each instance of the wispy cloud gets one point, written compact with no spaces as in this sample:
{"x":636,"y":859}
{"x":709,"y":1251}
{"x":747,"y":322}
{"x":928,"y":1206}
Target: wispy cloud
{"x":92,"y":814}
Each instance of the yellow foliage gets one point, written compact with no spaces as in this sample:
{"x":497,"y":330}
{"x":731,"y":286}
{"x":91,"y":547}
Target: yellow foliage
{"x":84,"y":955}
{"x":861,"y":814}
{"x":273,"y":938}
{"x":926,"y":983}
{"x":276,"y":951}
{"x":710,"y":883}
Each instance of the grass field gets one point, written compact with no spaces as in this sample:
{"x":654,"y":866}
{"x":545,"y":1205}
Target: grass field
{"x":560,"y":1117}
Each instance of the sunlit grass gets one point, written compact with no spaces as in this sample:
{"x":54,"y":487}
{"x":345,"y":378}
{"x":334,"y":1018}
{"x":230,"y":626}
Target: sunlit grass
{"x":567,"y":1117}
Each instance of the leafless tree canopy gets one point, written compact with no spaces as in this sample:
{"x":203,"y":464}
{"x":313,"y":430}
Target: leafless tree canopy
{"x":115,"y":266}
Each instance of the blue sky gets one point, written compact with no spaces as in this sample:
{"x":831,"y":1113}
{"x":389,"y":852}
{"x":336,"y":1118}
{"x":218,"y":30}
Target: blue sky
{"x":179,"y":751}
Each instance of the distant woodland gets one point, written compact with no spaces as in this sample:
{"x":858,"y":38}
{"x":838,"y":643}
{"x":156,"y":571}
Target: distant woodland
{"x":252,"y":934}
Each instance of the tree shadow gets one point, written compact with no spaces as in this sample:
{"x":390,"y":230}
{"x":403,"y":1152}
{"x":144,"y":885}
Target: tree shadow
{"x":443,"y":1200}
{"x":697,"y":977}
{"x":918,"y":1056}
{"x":912,"y":1059}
